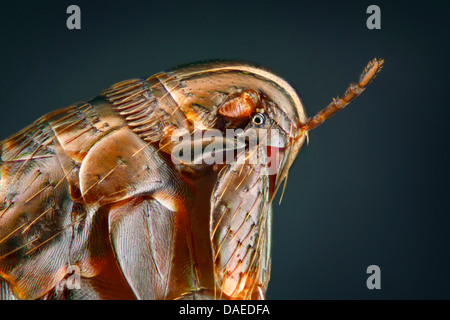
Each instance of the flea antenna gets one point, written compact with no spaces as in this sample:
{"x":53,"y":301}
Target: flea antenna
{"x":353,"y":90}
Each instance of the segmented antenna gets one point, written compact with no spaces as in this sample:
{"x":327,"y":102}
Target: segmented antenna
{"x":353,"y":90}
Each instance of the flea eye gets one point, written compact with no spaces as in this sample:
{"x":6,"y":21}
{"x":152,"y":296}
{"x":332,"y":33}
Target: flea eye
{"x":258,"y":119}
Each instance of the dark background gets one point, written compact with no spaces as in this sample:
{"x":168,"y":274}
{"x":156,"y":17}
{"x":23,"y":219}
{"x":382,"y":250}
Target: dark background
{"x":371,"y":187}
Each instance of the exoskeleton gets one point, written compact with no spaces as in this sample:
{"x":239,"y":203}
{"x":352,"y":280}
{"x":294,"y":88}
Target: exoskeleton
{"x":142,"y":193}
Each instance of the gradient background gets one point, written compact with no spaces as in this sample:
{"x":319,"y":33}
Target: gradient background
{"x":372,"y":186}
